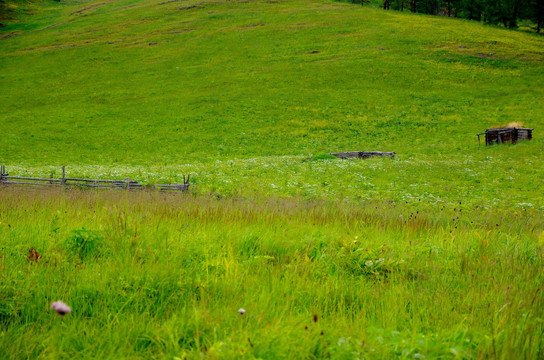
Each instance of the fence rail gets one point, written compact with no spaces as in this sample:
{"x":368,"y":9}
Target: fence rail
{"x":64,"y":181}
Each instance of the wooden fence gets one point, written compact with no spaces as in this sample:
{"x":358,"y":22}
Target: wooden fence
{"x":64,"y":181}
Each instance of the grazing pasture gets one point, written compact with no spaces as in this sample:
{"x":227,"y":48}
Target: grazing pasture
{"x":277,"y":250}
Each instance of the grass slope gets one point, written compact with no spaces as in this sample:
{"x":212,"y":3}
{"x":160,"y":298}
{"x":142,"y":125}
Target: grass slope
{"x":142,"y":82}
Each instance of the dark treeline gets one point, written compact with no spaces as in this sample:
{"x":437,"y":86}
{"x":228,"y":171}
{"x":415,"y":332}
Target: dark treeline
{"x":498,"y":12}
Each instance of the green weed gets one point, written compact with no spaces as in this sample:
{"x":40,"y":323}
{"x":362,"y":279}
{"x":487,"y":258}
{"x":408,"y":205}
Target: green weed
{"x":85,"y":243}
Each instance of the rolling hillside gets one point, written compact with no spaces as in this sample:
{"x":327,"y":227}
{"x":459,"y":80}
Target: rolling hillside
{"x":145,"y":82}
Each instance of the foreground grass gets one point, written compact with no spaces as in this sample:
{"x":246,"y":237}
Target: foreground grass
{"x":317,"y":278}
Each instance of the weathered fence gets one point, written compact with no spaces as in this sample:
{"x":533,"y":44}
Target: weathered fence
{"x":64,"y":181}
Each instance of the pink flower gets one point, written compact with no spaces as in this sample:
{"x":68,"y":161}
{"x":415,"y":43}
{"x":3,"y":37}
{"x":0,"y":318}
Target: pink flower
{"x":61,"y":308}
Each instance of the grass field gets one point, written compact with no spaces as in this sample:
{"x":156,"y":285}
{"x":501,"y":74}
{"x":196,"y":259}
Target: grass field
{"x":437,"y":253}
{"x":166,"y":275}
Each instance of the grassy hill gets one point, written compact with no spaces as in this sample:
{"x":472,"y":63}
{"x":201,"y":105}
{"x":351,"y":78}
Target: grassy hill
{"x":239,"y":93}
{"x":141,"y":82}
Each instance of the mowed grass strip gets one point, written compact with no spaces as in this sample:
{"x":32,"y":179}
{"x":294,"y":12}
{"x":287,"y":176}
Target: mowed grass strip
{"x":150,"y":275}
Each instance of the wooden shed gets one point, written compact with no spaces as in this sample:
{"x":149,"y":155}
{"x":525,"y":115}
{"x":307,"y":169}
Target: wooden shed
{"x":506,"y":135}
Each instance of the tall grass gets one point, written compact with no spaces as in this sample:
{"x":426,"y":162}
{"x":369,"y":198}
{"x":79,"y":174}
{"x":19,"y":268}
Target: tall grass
{"x":317,"y":278}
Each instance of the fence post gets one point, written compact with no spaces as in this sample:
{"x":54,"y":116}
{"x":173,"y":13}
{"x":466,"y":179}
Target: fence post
{"x":63,"y":182}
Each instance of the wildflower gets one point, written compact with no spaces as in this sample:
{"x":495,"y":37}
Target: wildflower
{"x":61,"y":308}
{"x":241,"y":311}
{"x":369,"y":263}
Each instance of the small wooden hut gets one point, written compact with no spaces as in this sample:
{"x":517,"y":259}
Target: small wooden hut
{"x":506,"y":135}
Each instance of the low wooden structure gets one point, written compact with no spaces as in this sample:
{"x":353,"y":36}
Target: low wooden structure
{"x":64,"y":181}
{"x":361,"y":154}
{"x":509,"y":135}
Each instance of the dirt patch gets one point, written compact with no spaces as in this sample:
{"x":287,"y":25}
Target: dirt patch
{"x":10,"y":35}
{"x":492,"y":50}
{"x":485,"y":56}
{"x":180,"y":31}
{"x":92,"y":7}
{"x":170,"y":1}
{"x":253,"y":25}
{"x":200,"y":5}
{"x":332,"y":59}
{"x":52,"y":26}
{"x":52,"y":47}
{"x":126,"y":7}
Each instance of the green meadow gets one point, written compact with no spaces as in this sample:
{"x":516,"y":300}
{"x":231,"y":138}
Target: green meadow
{"x":436,"y":253}
{"x":150,"y":275}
